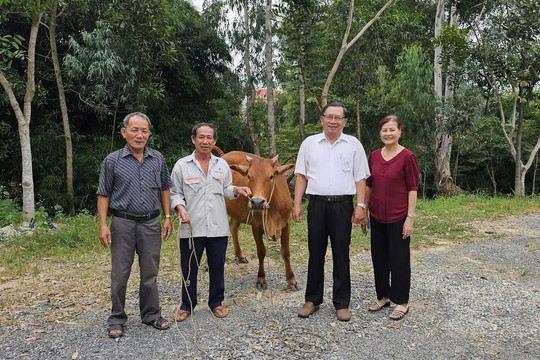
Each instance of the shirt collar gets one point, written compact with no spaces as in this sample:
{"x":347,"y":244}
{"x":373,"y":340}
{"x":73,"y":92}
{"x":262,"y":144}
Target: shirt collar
{"x":191,"y":157}
{"x":320,"y":137}
{"x":125,"y":151}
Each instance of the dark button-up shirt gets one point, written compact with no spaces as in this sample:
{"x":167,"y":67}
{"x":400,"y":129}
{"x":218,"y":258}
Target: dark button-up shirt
{"x":131,"y":185}
{"x":390,"y":183}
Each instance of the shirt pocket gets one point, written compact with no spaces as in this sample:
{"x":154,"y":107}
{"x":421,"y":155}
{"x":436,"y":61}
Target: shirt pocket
{"x":193,"y":185}
{"x":217,"y":184}
{"x":346,"y":162}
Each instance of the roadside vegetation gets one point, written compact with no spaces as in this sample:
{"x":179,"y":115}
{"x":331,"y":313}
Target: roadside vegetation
{"x":439,"y":222}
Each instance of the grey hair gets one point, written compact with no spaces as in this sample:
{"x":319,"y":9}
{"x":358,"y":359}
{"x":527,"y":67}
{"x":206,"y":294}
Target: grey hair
{"x":196,"y":127}
{"x":129,"y":116}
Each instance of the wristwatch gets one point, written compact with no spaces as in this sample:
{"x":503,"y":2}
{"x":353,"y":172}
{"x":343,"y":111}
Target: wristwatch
{"x":362,"y":205}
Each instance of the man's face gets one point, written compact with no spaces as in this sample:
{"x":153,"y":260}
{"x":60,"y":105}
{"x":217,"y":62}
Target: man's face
{"x":136,"y":133}
{"x":204,"y":140}
{"x":333,"y":121}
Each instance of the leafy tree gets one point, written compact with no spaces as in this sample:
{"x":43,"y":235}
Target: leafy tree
{"x":505,"y":45}
{"x":11,"y":48}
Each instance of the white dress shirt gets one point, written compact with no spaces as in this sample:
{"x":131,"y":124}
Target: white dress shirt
{"x":332,"y":169}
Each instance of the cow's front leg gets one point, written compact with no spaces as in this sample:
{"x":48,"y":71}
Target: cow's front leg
{"x":292,"y":284}
{"x":261,"y":254}
{"x":233,"y":228}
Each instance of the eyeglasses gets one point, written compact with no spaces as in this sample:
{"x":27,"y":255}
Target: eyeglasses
{"x":336,"y":117}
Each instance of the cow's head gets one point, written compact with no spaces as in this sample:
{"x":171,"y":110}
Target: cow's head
{"x":261,"y":175}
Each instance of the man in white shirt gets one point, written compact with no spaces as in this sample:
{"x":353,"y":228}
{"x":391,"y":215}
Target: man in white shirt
{"x":331,"y":168}
{"x":201,"y":181}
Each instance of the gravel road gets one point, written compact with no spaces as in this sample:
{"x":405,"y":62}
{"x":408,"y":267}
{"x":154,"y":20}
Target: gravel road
{"x":473,"y":301}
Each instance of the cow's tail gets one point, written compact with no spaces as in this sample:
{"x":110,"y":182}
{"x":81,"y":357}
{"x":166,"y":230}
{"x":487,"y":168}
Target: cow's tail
{"x":218,"y":151}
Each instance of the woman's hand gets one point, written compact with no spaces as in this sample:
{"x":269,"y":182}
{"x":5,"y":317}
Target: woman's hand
{"x":408,"y":227}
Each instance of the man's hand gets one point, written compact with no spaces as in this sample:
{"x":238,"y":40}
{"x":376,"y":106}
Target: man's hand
{"x":167,"y":228}
{"x":182,"y":214}
{"x":242,"y":190}
{"x":104,"y":236}
{"x":297,"y":213}
{"x":359,"y":216}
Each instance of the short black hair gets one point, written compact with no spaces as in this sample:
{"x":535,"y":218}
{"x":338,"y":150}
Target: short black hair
{"x":336,"y":104}
{"x":196,"y":127}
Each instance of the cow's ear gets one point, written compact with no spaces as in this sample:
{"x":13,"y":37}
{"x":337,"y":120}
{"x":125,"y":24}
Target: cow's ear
{"x":283,"y":168}
{"x":240,"y":168}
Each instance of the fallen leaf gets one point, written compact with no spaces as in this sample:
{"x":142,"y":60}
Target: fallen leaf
{"x":75,"y":355}
{"x":40,"y":331}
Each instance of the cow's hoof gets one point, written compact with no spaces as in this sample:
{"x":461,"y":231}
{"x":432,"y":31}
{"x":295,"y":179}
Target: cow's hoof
{"x":262,"y":286}
{"x":294,"y":287}
{"x":242,"y":261}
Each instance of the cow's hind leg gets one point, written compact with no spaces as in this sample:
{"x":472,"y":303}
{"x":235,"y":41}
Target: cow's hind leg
{"x":233,"y":227}
{"x":292,"y":284}
{"x":261,"y":254}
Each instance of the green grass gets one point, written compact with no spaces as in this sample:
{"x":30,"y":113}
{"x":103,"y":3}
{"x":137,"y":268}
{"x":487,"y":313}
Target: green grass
{"x":439,"y":222}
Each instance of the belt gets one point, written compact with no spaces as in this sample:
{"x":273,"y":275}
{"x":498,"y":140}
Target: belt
{"x":136,"y":217}
{"x":330,"y":198}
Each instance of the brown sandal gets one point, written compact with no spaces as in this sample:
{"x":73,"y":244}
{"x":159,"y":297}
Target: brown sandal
{"x":398,"y":314}
{"x":376,"y":306}
{"x":220,"y":311}
{"x":180,"y":315}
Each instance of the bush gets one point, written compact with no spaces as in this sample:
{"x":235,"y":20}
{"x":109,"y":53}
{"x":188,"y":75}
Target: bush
{"x":9,"y":213}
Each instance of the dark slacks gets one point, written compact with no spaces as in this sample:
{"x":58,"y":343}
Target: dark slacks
{"x":144,"y":238}
{"x":329,"y":219}
{"x":216,"y":248}
{"x":391,"y":256}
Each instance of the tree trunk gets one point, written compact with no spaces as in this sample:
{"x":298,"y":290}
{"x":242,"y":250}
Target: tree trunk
{"x":491,"y":174}
{"x":23,"y":118}
{"x":63,"y":109}
{"x":444,"y":184}
{"x":249,"y":82}
{"x":519,"y":168}
{"x":347,"y":45}
{"x":358,"y":82}
{"x":302,"y":96}
{"x":272,"y":151}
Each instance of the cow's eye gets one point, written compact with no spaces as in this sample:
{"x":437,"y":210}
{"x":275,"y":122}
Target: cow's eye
{"x":271,"y":177}
{"x":249,"y":177}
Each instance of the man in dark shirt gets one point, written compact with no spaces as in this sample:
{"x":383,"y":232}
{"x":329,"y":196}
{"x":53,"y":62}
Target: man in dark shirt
{"x":134,"y":183}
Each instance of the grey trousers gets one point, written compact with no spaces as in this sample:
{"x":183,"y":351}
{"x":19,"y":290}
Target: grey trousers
{"x":144,"y":238}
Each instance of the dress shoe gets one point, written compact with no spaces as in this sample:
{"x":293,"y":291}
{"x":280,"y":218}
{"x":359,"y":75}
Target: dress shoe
{"x":343,"y":314}
{"x":307,"y":309}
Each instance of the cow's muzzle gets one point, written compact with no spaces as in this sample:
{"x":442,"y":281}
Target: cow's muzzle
{"x":258,"y":204}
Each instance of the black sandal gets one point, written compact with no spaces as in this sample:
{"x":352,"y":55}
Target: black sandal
{"x":116,"y":335}
{"x":158,"y":323}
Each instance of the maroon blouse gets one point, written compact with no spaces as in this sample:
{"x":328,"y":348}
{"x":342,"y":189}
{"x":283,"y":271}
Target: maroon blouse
{"x":390,"y":183}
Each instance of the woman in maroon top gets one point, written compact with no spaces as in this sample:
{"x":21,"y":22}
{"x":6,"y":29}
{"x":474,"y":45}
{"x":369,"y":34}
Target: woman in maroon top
{"x":391,"y":197}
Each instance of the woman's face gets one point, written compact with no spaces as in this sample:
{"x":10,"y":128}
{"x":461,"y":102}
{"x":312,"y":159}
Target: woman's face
{"x":390,"y":133}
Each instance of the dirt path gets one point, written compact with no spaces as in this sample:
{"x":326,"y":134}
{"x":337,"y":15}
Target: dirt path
{"x":474,"y":301}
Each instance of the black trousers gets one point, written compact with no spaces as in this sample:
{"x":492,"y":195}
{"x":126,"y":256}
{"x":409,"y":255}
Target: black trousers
{"x":332,"y":219}
{"x":391,"y":256}
{"x":216,"y":249}
{"x":130,"y":237}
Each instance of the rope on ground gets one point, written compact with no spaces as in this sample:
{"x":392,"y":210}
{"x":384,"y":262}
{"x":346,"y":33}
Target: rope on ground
{"x":295,"y":345}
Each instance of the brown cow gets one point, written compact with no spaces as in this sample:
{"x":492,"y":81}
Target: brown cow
{"x":268,"y":211}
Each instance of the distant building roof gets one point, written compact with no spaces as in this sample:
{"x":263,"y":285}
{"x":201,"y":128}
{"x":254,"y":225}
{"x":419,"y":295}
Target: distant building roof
{"x":260,"y":93}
